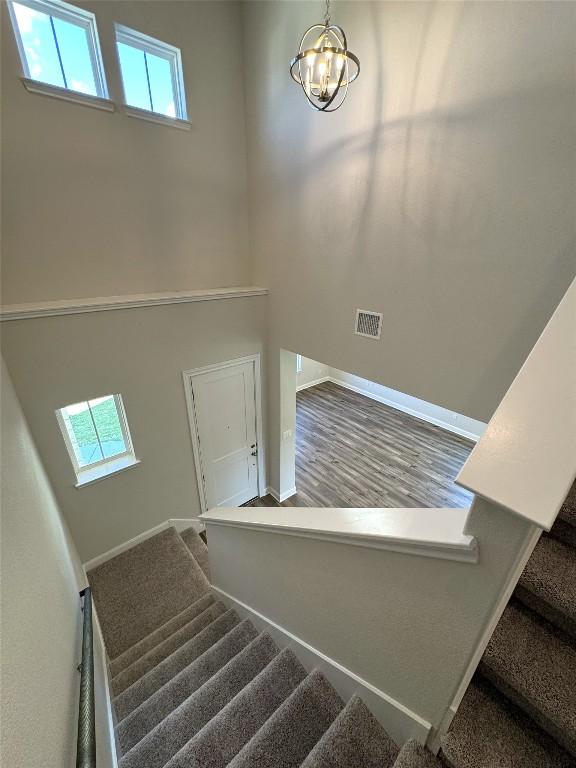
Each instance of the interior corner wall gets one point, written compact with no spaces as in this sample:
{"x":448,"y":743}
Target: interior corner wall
{"x":140,"y":354}
{"x":41,"y":617}
{"x":99,"y":203}
{"x":441,"y":194}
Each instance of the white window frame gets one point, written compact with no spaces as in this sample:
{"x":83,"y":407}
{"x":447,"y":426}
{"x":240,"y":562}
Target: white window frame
{"x":172,"y":54}
{"x":298,"y":363}
{"x":96,"y":470}
{"x":79,"y":17}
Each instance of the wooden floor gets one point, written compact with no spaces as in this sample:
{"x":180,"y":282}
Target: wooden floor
{"x":352,"y":451}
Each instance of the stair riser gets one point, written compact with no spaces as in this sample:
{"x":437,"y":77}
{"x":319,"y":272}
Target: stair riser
{"x":147,"y":716}
{"x":156,"y":655}
{"x":154,"y":639}
{"x":545,"y":723}
{"x":565,"y":623}
{"x":148,"y":685}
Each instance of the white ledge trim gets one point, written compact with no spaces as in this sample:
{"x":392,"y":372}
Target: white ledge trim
{"x":526,"y":460}
{"x":156,"y":117}
{"x":89,"y":476}
{"x":424,"y":532}
{"x":66,"y":94}
{"x":103,"y":303}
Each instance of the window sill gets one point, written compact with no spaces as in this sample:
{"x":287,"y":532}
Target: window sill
{"x":156,"y":117}
{"x":113,"y":467}
{"x":35,"y":86}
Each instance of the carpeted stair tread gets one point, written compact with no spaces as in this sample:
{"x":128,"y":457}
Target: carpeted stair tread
{"x":152,"y":711}
{"x":564,"y":531}
{"x":289,"y":735}
{"x":183,"y":723}
{"x":139,"y":590}
{"x":198,"y":549}
{"x":414,"y":755}
{"x":535,"y":668}
{"x":489,"y":732}
{"x":155,"y":638}
{"x":355,"y":738}
{"x":225,"y":735}
{"x":548,"y":584}
{"x":164,"y":649}
{"x":143,"y":688}
{"x":568,"y":510}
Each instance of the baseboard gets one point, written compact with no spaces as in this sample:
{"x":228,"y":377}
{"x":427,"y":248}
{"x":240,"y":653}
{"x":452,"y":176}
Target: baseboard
{"x":179,"y":523}
{"x":399,"y":721}
{"x":438,"y":422}
{"x":312,"y":383}
{"x":280,"y":497}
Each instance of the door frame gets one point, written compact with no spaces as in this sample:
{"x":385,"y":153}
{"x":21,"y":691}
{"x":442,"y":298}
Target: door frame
{"x":192,"y":420}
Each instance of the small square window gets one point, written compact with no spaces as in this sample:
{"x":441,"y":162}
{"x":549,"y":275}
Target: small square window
{"x":97,"y":437}
{"x":58,"y":45}
{"x":151,"y":74}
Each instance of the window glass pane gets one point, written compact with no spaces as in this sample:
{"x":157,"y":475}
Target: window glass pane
{"x":82,"y":433}
{"x":75,"y":54}
{"x":39,"y":45}
{"x":108,"y":425}
{"x":134,"y":77}
{"x":161,"y":86}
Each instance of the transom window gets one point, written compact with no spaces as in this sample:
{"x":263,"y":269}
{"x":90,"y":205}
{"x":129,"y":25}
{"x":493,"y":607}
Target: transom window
{"x":58,"y":45}
{"x":151,"y":73}
{"x":97,"y":436}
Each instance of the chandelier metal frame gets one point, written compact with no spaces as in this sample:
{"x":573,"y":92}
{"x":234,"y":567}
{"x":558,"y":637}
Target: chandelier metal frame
{"x":338,"y":47}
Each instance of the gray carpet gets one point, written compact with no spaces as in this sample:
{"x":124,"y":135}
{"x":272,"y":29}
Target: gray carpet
{"x":520,"y":710}
{"x":196,"y":687}
{"x":198,"y":549}
{"x":139,"y":577}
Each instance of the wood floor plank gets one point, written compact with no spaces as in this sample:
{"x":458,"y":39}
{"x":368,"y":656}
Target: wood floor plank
{"x":352,"y":451}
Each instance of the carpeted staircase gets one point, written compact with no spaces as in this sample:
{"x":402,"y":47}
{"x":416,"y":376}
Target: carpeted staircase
{"x":195,"y":686}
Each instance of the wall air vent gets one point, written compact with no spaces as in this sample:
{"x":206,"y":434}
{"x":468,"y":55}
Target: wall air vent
{"x":368,"y":324}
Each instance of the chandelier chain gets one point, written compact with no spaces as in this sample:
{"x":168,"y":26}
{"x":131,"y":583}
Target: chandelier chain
{"x":327,"y":14}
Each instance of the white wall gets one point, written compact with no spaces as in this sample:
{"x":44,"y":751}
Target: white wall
{"x":139,"y":353}
{"x":98,"y":203}
{"x":441,"y":194}
{"x":41,"y":618}
{"x":312,"y":371}
{"x":406,"y":624}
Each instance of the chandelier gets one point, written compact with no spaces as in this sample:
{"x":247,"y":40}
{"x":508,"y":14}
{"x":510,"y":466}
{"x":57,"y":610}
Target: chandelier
{"x":324,"y":66}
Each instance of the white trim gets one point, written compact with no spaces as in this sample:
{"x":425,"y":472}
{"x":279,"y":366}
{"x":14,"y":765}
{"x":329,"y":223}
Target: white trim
{"x":531,"y":539}
{"x":400,"y":722}
{"x":135,"y":39}
{"x":314,"y":383}
{"x":105,"y":303}
{"x":105,"y":469}
{"x":80,"y":17}
{"x":110,"y":714}
{"x":179,"y":523}
{"x":280,"y":497}
{"x":426,"y":532}
{"x":526,"y":459}
{"x":438,"y":422}
{"x":195,"y":437}
{"x":157,"y":117}
{"x":67,"y":94}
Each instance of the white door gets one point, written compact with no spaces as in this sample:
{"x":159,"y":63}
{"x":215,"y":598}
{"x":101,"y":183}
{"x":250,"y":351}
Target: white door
{"x":225,"y":413}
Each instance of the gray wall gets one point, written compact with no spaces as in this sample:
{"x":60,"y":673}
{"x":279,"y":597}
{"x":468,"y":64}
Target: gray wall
{"x":139,"y":353}
{"x":441,"y":194}
{"x":41,"y":617}
{"x":99,"y":204}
